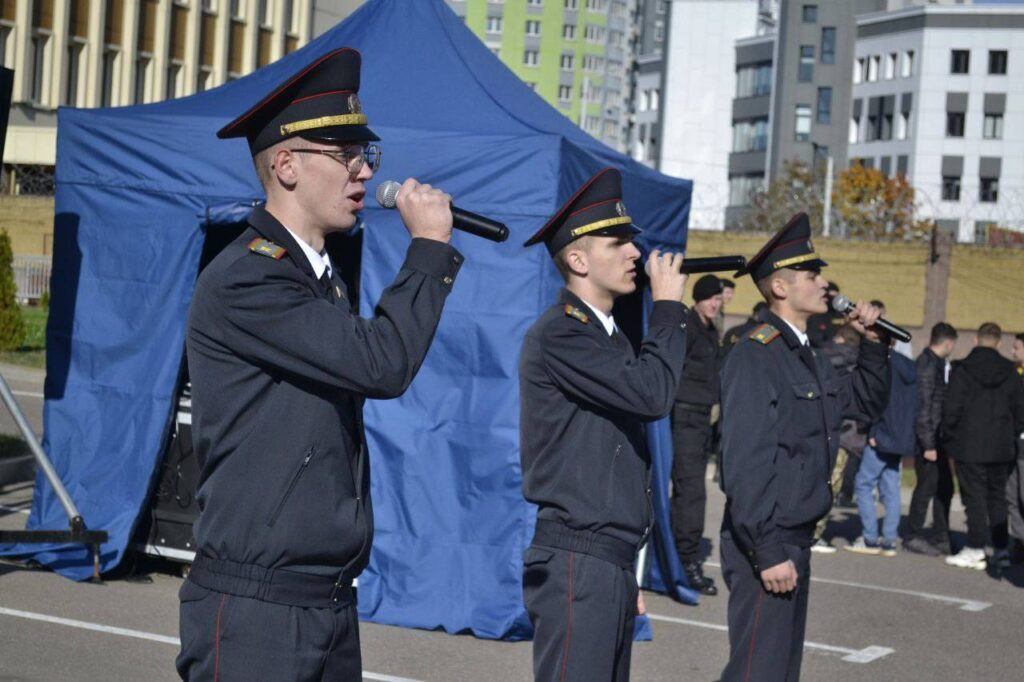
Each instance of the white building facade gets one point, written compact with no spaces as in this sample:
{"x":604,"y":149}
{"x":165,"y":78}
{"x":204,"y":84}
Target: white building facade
{"x":938,"y":97}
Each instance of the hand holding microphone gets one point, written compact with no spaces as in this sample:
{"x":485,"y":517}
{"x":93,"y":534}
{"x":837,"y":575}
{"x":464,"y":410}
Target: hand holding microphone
{"x":668,"y":281}
{"x":432,"y":211}
{"x":864,"y":316}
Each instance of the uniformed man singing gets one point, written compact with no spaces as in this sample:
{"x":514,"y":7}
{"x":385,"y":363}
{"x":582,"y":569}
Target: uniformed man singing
{"x":280,"y":368}
{"x":782,"y":407}
{"x":584,"y":397}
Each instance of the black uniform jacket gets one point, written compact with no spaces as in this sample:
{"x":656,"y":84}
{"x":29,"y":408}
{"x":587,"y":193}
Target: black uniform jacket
{"x":782,"y":408}
{"x":280,"y":367}
{"x":584,"y":396}
{"x":700,"y":385}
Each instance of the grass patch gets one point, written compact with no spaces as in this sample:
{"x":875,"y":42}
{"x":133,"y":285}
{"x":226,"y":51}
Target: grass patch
{"x":33,"y":352}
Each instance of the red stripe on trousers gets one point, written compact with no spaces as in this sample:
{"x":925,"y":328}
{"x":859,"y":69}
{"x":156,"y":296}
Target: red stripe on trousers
{"x":568,"y":630}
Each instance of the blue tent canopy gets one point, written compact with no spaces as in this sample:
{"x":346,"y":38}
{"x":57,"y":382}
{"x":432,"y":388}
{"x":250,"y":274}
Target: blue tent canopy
{"x":134,"y":188}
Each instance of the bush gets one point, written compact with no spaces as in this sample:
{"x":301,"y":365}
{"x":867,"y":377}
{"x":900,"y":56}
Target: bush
{"x":12,"y":326}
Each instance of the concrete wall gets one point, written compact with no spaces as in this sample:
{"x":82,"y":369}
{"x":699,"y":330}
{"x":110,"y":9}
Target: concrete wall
{"x":29,"y":222}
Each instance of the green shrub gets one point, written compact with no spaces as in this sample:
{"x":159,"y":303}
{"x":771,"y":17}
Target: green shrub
{"x":12,"y":326}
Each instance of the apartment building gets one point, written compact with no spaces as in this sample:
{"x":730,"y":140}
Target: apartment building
{"x":97,"y":53}
{"x":938,"y":97}
{"x":576,"y":54}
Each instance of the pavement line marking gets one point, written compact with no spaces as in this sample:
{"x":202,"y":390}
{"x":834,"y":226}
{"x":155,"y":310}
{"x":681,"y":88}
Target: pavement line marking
{"x":28,"y":394}
{"x":139,"y":634}
{"x":865,"y":655}
{"x":13,"y":510}
{"x":964,"y":604}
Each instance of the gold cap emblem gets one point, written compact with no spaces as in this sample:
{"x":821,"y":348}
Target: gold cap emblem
{"x":620,"y":208}
{"x":354,"y":107}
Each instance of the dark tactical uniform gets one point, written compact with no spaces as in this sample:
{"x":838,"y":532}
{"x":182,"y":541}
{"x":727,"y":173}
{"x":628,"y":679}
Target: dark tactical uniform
{"x":782,"y":408}
{"x":584,"y":397}
{"x":691,"y":443}
{"x":280,"y":368}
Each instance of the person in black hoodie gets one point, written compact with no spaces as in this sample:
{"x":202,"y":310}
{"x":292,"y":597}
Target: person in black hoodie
{"x":1015,"y":487}
{"x":981,"y":420}
{"x":691,"y":430}
{"x":934,"y":476}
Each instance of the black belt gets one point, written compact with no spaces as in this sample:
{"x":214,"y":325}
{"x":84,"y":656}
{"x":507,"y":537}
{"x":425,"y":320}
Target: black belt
{"x":604,"y":547}
{"x":279,"y":586}
{"x":694,"y":407}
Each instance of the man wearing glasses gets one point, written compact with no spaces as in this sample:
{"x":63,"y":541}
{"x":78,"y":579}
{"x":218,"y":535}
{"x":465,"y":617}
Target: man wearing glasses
{"x":280,"y":368}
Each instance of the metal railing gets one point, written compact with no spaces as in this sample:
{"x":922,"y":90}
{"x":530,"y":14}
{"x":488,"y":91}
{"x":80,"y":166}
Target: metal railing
{"x":31,"y":276}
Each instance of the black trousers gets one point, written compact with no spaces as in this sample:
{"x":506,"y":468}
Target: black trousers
{"x":224,"y":637}
{"x":983,"y":489}
{"x":691,"y":442}
{"x":766,"y":631}
{"x":1015,"y":495}
{"x":583,"y":610}
{"x":934,"y":485}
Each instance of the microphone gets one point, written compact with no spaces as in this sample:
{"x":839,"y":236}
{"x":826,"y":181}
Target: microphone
{"x":387,"y":197}
{"x":841,"y":304}
{"x":693,"y":266}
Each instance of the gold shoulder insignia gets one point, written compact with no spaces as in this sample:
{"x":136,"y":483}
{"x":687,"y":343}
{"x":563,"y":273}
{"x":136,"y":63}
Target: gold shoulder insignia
{"x":267,"y":248}
{"x":573,"y":311}
{"x":765,"y":334}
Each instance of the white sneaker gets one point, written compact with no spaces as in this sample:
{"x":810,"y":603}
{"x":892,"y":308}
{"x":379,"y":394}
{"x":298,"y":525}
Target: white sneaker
{"x":968,"y":557}
{"x":822,"y":546}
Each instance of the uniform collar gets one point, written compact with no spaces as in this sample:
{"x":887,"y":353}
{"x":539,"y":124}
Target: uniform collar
{"x":607,"y":321}
{"x":793,"y":336}
{"x":268,"y":226}
{"x":319,"y":261}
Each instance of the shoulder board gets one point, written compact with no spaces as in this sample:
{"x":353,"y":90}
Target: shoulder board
{"x":765,"y":334}
{"x":573,"y":311}
{"x":267,"y":248}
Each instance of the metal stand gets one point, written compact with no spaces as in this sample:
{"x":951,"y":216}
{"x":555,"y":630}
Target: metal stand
{"x":77,"y":532}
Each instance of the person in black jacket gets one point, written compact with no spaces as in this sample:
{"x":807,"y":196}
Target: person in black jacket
{"x":1015,"y":486}
{"x":280,"y":368}
{"x":733,"y":335}
{"x":982,"y":419}
{"x":934,"y":476}
{"x":782,"y":408}
{"x":691,"y":430}
{"x":584,"y":398}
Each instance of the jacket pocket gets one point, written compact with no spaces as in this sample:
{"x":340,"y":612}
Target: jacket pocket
{"x":807,"y":391}
{"x":306,"y":457}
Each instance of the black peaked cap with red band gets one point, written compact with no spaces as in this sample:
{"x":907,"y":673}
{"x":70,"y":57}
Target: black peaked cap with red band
{"x":790,"y":247}
{"x":321,"y":102}
{"x":595,"y":209}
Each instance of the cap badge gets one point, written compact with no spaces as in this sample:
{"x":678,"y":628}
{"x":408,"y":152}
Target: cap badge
{"x":620,"y":208}
{"x":354,"y":106}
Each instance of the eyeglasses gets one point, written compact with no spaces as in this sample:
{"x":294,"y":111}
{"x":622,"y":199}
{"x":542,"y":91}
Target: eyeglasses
{"x":352,"y":158}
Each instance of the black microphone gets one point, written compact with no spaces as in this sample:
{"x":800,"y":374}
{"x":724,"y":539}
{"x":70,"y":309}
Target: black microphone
{"x":693,"y":266}
{"x":387,"y":197}
{"x":843,"y":305}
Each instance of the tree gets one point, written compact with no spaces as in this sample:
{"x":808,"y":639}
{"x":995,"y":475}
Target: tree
{"x":865,"y":203}
{"x":12,"y":326}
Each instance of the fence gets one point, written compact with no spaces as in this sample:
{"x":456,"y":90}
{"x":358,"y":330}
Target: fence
{"x":31,"y":277}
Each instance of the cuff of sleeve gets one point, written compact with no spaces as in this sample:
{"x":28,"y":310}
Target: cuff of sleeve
{"x":434,"y":259}
{"x":767,"y":556}
{"x":668,"y":313}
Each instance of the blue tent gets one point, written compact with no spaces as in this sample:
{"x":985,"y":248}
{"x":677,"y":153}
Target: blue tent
{"x":133,"y":186}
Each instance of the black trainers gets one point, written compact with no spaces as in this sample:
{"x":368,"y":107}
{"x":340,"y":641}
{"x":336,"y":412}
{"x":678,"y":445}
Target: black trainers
{"x":698,"y":581}
{"x":918,"y":545}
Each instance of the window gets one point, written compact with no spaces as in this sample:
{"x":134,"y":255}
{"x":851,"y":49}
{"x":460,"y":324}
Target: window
{"x":237,"y":9}
{"x":653,"y":97}
{"x":531,"y":57}
{"x":204,"y":79}
{"x":143,"y":79}
{"x":110,"y":73}
{"x":750,"y":136}
{"x":494,"y":24}
{"x":40,"y":42}
{"x":591,"y":62}
{"x":531,"y":85}
{"x":569,"y":32}
{"x":901,"y":165}
{"x":806,"y":72}
{"x":596,"y":5}
{"x":567,"y":61}
{"x":6,"y":45}
{"x":960,"y":61}
{"x":175,"y":81}
{"x":907,"y":70}
{"x":890,"y":66}
{"x":810,"y":14}
{"x":532,"y":28}
{"x":266,"y":12}
{"x":993,"y":127}
{"x":661,"y":6}
{"x":997,"y":62}
{"x":564,"y":93}
{"x":858,"y":70}
{"x":828,"y":45}
{"x":754,"y":81}
{"x":989,"y":190}
{"x":75,"y":73}
{"x":743,"y":187}
{"x":854,"y":136}
{"x":903,"y":126}
{"x":950,"y":188}
{"x":594,"y":34}
{"x":291,"y":17}
{"x":955,"y":124}
{"x":825,"y":106}
{"x":886,"y":133}
{"x":571,"y":4}
{"x":872,"y":74}
{"x":803,"y":123}
{"x":535,"y":3}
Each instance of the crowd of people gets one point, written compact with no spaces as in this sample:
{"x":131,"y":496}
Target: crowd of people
{"x":957,"y":420}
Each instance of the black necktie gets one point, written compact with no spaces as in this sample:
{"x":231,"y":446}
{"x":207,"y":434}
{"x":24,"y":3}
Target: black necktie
{"x":325,"y":283}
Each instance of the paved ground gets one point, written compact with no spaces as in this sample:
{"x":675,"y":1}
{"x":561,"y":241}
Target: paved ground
{"x":904,"y":618}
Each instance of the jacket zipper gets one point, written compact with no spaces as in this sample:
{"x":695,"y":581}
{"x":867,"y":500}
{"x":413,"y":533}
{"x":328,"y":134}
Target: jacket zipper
{"x":291,"y":486}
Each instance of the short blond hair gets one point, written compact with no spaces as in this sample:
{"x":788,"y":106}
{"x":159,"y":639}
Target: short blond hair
{"x":561,"y":258}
